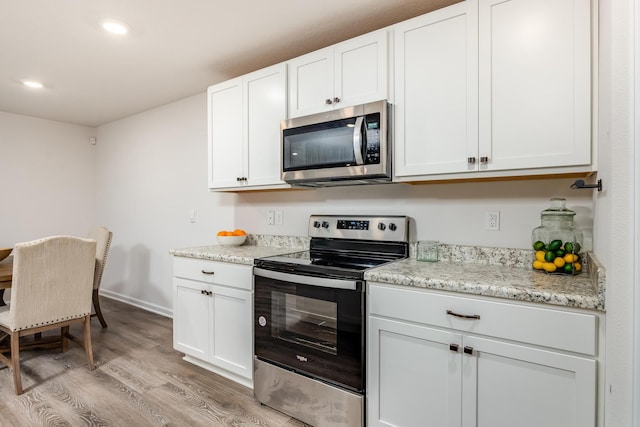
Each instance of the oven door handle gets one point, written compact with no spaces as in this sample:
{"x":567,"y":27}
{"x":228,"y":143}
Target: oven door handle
{"x":351,"y":285}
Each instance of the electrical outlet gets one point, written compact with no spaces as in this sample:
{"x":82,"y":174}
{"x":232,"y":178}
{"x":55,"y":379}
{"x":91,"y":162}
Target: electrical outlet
{"x":492,"y":220}
{"x":270,"y":218}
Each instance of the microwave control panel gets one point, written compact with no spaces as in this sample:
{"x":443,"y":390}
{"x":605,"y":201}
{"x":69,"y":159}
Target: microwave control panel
{"x":373,"y":138}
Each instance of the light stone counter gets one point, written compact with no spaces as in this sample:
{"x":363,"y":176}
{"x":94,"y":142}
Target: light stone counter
{"x":494,"y":272}
{"x":256,"y":246}
{"x":488,"y":277}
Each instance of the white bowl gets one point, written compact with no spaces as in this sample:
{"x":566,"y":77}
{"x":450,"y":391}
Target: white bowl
{"x":231,"y":240}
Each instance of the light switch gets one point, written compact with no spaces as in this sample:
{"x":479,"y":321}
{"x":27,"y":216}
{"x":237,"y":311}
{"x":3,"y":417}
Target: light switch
{"x":192,"y":215}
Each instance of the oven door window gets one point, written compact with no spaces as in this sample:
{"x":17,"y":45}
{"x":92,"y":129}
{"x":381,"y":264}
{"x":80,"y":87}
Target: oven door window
{"x":305,"y":321}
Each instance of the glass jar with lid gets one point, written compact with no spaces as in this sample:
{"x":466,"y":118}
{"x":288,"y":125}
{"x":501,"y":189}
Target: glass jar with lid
{"x":557,"y":241}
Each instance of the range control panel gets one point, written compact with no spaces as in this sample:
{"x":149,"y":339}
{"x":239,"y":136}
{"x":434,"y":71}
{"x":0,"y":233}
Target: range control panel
{"x":352,"y":224}
{"x":385,"y":228}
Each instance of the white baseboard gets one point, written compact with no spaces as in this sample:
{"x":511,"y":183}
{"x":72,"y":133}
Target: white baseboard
{"x":163,"y":311}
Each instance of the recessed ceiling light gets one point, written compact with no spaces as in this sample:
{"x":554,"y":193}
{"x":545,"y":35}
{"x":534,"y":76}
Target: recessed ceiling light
{"x":115,"y":27}
{"x":32,"y":84}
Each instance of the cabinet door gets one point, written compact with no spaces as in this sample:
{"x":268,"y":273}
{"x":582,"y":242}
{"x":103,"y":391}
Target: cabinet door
{"x":508,"y":385}
{"x":232,"y":338}
{"x":191,"y":318}
{"x":535,"y":62}
{"x":264,"y":107}
{"x":226,"y":151}
{"x":436,"y":111}
{"x":361,"y":70}
{"x":311,"y":83}
{"x":413,"y":378}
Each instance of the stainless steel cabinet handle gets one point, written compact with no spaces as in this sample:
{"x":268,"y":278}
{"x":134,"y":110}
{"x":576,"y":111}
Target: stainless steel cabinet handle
{"x":468,"y":350}
{"x":464,"y":316}
{"x":484,"y":159}
{"x":471,"y":160}
{"x":454,"y":347}
{"x":208,"y":272}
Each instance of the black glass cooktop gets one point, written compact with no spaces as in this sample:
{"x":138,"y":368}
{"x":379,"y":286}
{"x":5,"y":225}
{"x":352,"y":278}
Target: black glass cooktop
{"x":339,"y":264}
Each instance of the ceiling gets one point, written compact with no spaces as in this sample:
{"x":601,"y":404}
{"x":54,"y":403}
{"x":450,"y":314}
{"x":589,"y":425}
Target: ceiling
{"x":174,"y":49}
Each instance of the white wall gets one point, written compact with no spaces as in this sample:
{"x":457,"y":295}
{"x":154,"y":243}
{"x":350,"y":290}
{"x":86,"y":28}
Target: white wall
{"x":614,"y":214}
{"x":152,"y":170}
{"x":47,"y":179}
{"x":452,"y":213}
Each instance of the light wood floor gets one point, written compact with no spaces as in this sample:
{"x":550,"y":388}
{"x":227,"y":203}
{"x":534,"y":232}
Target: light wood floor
{"x":139,"y":380}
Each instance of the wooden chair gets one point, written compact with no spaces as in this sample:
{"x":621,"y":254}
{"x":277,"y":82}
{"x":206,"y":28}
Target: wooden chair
{"x":51,"y":289}
{"x":102,"y":236}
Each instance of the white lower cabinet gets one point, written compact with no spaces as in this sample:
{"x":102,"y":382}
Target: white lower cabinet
{"x":429,"y":368}
{"x":212,"y":316}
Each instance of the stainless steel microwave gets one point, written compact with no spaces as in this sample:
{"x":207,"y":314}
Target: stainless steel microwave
{"x":340,"y":147}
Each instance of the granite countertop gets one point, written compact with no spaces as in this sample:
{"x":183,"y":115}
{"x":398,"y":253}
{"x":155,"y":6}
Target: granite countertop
{"x":254,"y":247}
{"x":516,"y":283}
{"x":493,"y":272}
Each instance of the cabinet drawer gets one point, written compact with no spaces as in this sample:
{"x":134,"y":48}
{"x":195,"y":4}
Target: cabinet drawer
{"x":214,"y":272}
{"x":549,"y":327}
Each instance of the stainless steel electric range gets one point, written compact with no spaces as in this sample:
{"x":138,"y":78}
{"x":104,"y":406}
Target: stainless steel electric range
{"x":309,"y":318}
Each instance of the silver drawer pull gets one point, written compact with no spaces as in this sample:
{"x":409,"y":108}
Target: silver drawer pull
{"x":464,"y":316}
{"x":208,"y":272}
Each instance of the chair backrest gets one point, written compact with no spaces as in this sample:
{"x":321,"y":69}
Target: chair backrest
{"x":102,"y":236}
{"x":52,"y":281}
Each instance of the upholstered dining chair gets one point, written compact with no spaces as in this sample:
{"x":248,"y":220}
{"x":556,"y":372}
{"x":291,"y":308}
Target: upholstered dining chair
{"x":51,"y":289}
{"x":102,"y":236}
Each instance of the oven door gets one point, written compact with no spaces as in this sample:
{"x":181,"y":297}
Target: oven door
{"x":312,"y":325}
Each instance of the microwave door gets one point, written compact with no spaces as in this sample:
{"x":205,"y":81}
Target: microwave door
{"x":358,"y":140}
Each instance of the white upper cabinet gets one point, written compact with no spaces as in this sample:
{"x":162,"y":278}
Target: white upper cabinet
{"x":226,"y":149}
{"x":349,"y":73}
{"x":535,"y":83}
{"x":494,"y":88}
{"x":436,"y":84}
{"x":244,"y":130}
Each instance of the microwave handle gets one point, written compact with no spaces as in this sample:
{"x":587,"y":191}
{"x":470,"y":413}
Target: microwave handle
{"x":357,"y":140}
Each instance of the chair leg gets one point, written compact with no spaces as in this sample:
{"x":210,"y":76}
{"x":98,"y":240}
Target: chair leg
{"x":96,"y":306}
{"x":15,"y":362}
{"x":64,"y":341}
{"x":87,"y":342}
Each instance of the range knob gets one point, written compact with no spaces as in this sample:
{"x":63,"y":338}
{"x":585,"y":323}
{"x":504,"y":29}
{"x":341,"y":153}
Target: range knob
{"x":392,"y":226}
{"x":381,"y":226}
{"x":325,"y":224}
{"x":316,"y":224}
